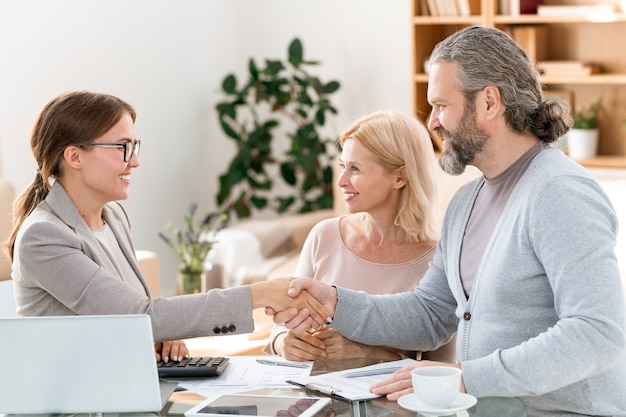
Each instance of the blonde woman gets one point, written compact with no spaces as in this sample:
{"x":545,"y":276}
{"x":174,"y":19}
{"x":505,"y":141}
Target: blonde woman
{"x":384,"y":245}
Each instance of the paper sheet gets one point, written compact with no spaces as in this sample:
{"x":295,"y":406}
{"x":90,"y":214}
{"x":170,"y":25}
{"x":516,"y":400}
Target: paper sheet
{"x":243,"y":373}
{"x":337,"y":384}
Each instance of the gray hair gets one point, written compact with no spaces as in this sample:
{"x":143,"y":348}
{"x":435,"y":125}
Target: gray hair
{"x":488,"y":56}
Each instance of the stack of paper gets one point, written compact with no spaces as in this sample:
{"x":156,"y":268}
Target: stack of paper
{"x":245,"y":373}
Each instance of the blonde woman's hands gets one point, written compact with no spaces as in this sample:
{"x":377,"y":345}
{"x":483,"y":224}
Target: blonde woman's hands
{"x":299,"y":346}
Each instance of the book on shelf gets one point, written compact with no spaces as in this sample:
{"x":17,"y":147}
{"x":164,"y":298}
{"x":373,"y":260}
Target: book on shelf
{"x":447,"y":8}
{"x":533,"y":39}
{"x":574,"y":10}
{"x":517,"y":7}
{"x":567,"y":68}
{"x":433,"y":10}
{"x":463,"y":7}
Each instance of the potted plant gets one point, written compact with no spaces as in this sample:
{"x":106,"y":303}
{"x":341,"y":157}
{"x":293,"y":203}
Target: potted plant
{"x":192,"y":244}
{"x":582,"y":139}
{"x":285,"y":95}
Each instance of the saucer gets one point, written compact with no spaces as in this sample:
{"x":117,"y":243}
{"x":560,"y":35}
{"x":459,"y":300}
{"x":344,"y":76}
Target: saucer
{"x":462,"y":402}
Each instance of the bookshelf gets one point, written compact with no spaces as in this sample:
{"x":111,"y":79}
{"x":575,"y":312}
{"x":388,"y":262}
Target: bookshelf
{"x":587,"y":38}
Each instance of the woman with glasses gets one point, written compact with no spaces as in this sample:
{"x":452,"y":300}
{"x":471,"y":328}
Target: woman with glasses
{"x":71,"y":248}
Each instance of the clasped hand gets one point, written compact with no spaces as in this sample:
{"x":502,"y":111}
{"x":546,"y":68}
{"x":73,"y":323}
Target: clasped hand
{"x":321,"y":298}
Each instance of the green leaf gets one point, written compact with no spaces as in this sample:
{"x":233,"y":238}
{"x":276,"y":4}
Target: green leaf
{"x":230,"y":132}
{"x":259,"y":202}
{"x":320,"y":118}
{"x":328,"y":175}
{"x":288,"y":173}
{"x":283,"y":98}
{"x":227,"y":109}
{"x":252,"y":69}
{"x":259,"y":185}
{"x":242,"y":210}
{"x":284,"y":203}
{"x":229,"y":85}
{"x":273,"y":67}
{"x":224,"y":191}
{"x":295,"y":52}
{"x":330,"y":87}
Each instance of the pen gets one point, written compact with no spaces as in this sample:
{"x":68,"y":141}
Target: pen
{"x":276,"y":363}
{"x":372,"y":372}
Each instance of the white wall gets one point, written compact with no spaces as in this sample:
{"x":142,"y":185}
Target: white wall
{"x":168,"y":58}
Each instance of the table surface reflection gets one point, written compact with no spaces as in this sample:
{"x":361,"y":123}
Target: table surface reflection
{"x":181,"y":401}
{"x":486,"y":407}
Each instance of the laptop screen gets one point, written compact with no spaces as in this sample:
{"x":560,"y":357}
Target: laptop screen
{"x":78,"y":364}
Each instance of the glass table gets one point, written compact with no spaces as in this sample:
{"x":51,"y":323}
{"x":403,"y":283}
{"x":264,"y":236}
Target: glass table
{"x":181,"y":401}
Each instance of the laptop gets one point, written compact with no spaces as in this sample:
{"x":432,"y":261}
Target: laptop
{"x":79,"y":364}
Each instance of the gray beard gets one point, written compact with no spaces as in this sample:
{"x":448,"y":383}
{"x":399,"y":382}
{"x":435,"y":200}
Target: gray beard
{"x":451,"y":162}
{"x":462,"y":145}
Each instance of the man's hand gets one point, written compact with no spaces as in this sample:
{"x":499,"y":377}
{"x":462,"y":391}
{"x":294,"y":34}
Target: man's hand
{"x":400,"y":382}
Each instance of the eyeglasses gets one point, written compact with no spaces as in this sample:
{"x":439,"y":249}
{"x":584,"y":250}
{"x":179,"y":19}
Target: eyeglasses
{"x":129,"y":148}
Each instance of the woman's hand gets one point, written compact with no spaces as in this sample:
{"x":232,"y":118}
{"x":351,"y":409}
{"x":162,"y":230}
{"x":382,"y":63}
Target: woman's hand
{"x":299,"y":346}
{"x":340,"y":347}
{"x":400,"y":382}
{"x":175,"y":350}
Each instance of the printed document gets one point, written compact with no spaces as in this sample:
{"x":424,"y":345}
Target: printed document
{"x":351,"y":384}
{"x":245,"y":373}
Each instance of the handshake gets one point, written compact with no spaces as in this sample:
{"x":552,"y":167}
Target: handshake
{"x":300,"y":304}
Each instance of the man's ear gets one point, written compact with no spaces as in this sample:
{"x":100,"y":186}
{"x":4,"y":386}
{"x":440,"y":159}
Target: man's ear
{"x":73,"y":156}
{"x":492,"y":100}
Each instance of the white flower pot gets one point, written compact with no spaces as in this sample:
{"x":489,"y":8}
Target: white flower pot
{"x":582,"y":143}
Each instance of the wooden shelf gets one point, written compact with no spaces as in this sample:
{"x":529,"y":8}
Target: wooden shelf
{"x":527,"y":19}
{"x":449,"y":20}
{"x":598,"y":79}
{"x":605,"y":162}
{"x":589,"y":38}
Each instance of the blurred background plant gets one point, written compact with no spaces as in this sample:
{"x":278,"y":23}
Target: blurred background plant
{"x":192,"y":243}
{"x":249,"y":114}
{"x":586,"y":117}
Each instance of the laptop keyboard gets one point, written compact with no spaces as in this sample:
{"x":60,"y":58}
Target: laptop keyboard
{"x":197,"y":366}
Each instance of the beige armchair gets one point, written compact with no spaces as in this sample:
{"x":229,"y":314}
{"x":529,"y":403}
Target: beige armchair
{"x":7,"y":195}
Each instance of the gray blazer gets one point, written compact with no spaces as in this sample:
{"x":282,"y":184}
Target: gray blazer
{"x":59,"y":268}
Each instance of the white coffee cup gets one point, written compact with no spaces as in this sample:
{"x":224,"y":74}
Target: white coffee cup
{"x":436,"y":386}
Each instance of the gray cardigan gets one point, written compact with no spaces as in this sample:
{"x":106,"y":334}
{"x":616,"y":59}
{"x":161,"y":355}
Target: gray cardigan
{"x":545,"y":321}
{"x":60,"y":268}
